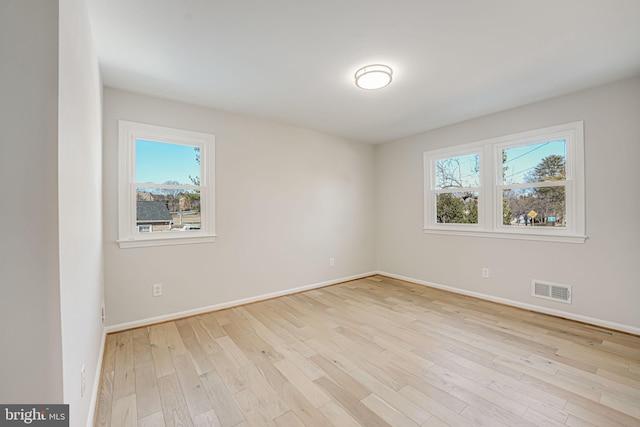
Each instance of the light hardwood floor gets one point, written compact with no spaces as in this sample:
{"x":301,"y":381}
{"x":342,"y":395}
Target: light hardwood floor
{"x":371,"y":352}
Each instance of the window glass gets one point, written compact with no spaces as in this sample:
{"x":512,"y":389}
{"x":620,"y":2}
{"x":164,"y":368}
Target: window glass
{"x":458,"y":172}
{"x":164,"y":163}
{"x":166,"y":186}
{"x":457,"y":208}
{"x":534,"y":162}
{"x":535,"y":206}
{"x":528,"y":186}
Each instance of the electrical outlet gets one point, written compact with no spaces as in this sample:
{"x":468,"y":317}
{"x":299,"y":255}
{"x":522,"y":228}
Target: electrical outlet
{"x":332,"y":262}
{"x":157,"y":290}
{"x":83,"y":380}
{"x":485,"y":273}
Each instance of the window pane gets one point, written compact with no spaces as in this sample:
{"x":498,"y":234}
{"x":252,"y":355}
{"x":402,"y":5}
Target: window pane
{"x":164,"y":163}
{"x":458,"y":172}
{"x":159,"y":209}
{"x":544,"y":206}
{"x":457,"y":208}
{"x":534,"y":162}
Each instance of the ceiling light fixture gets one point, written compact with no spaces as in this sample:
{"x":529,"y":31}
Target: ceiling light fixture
{"x":374,"y":76}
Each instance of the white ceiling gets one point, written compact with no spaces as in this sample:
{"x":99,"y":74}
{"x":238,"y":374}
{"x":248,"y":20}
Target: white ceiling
{"x":293,"y":61}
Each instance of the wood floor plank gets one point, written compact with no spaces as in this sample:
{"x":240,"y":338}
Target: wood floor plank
{"x":160,"y":352}
{"x":233,"y":353}
{"x":337,"y":416}
{"x":353,"y":406}
{"x":207,"y":419}
{"x":174,"y":406}
{"x":147,"y":395}
{"x":387,"y":412}
{"x":543,"y":419}
{"x":103,"y":411}
{"x":194,"y":393}
{"x":305,"y":386}
{"x":336,"y":374}
{"x":124,"y":375}
{"x":269,"y":399}
{"x":153,"y":420}
{"x":290,"y":395}
{"x":198,"y":355}
{"x":203,"y":336}
{"x":370,"y":352}
{"x":288,"y":419}
{"x":224,"y":406}
{"x":254,"y":413}
{"x":141,"y":347}
{"x":300,"y":360}
{"x":228,"y":372}
{"x":124,"y":413}
{"x":173,"y":338}
{"x":444,"y":411}
{"x":210,"y":322}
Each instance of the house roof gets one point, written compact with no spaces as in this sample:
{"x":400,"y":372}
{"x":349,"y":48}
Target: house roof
{"x":294,"y":61}
{"x":152,"y":212}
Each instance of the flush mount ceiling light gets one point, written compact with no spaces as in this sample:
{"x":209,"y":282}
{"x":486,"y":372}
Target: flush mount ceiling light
{"x":374,"y":76}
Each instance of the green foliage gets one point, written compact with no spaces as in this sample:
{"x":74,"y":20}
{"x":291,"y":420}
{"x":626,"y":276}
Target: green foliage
{"x":546,"y":201}
{"x":196,"y":179}
{"x":457,"y":208}
{"x":551,"y":168}
{"x":507,"y":213}
{"x":193,"y":200}
{"x":550,"y":201}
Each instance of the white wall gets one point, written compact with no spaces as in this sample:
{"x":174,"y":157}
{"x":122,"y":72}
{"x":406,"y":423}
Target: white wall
{"x":287,"y":199}
{"x":31,"y":358}
{"x":80,"y":207}
{"x":602,"y":271}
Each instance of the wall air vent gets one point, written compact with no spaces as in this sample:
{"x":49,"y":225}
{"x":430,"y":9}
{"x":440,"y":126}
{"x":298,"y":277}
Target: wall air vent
{"x":552,"y":291}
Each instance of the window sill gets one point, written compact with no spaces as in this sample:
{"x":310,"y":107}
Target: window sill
{"x":166,"y":241}
{"x":513,"y":236}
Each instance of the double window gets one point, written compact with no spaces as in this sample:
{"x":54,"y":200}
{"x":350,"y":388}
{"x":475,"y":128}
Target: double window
{"x":528,"y":185}
{"x":166,"y":188}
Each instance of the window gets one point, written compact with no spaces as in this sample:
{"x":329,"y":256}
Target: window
{"x":166,"y":186}
{"x":457,"y":187}
{"x":144,"y":228}
{"x":524,"y":186}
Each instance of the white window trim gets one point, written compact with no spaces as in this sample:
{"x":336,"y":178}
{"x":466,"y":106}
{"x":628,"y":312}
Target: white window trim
{"x":430,"y":171}
{"x":490,"y":196}
{"x":128,"y":237}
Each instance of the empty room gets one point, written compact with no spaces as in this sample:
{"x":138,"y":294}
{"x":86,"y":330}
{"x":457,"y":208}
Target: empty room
{"x":291,"y":213}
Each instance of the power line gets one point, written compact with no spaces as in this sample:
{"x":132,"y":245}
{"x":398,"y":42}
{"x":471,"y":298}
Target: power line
{"x":530,"y":151}
{"x":522,"y":171}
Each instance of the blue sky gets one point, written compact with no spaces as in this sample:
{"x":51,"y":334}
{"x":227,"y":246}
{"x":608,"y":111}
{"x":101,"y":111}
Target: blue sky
{"x":522,"y":160}
{"x":159,"y":162}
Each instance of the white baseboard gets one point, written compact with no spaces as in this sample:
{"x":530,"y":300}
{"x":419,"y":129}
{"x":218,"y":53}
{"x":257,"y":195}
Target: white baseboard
{"x":93,"y":405}
{"x":558,"y":313}
{"x":200,"y":310}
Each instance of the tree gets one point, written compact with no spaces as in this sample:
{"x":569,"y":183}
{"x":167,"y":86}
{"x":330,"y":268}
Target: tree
{"x":457,"y":208}
{"x":170,"y":192}
{"x":460,"y":207}
{"x":194,"y":198}
{"x":507,"y":213}
{"x":551,"y":168}
{"x":196,"y":179}
{"x":549,"y":201}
